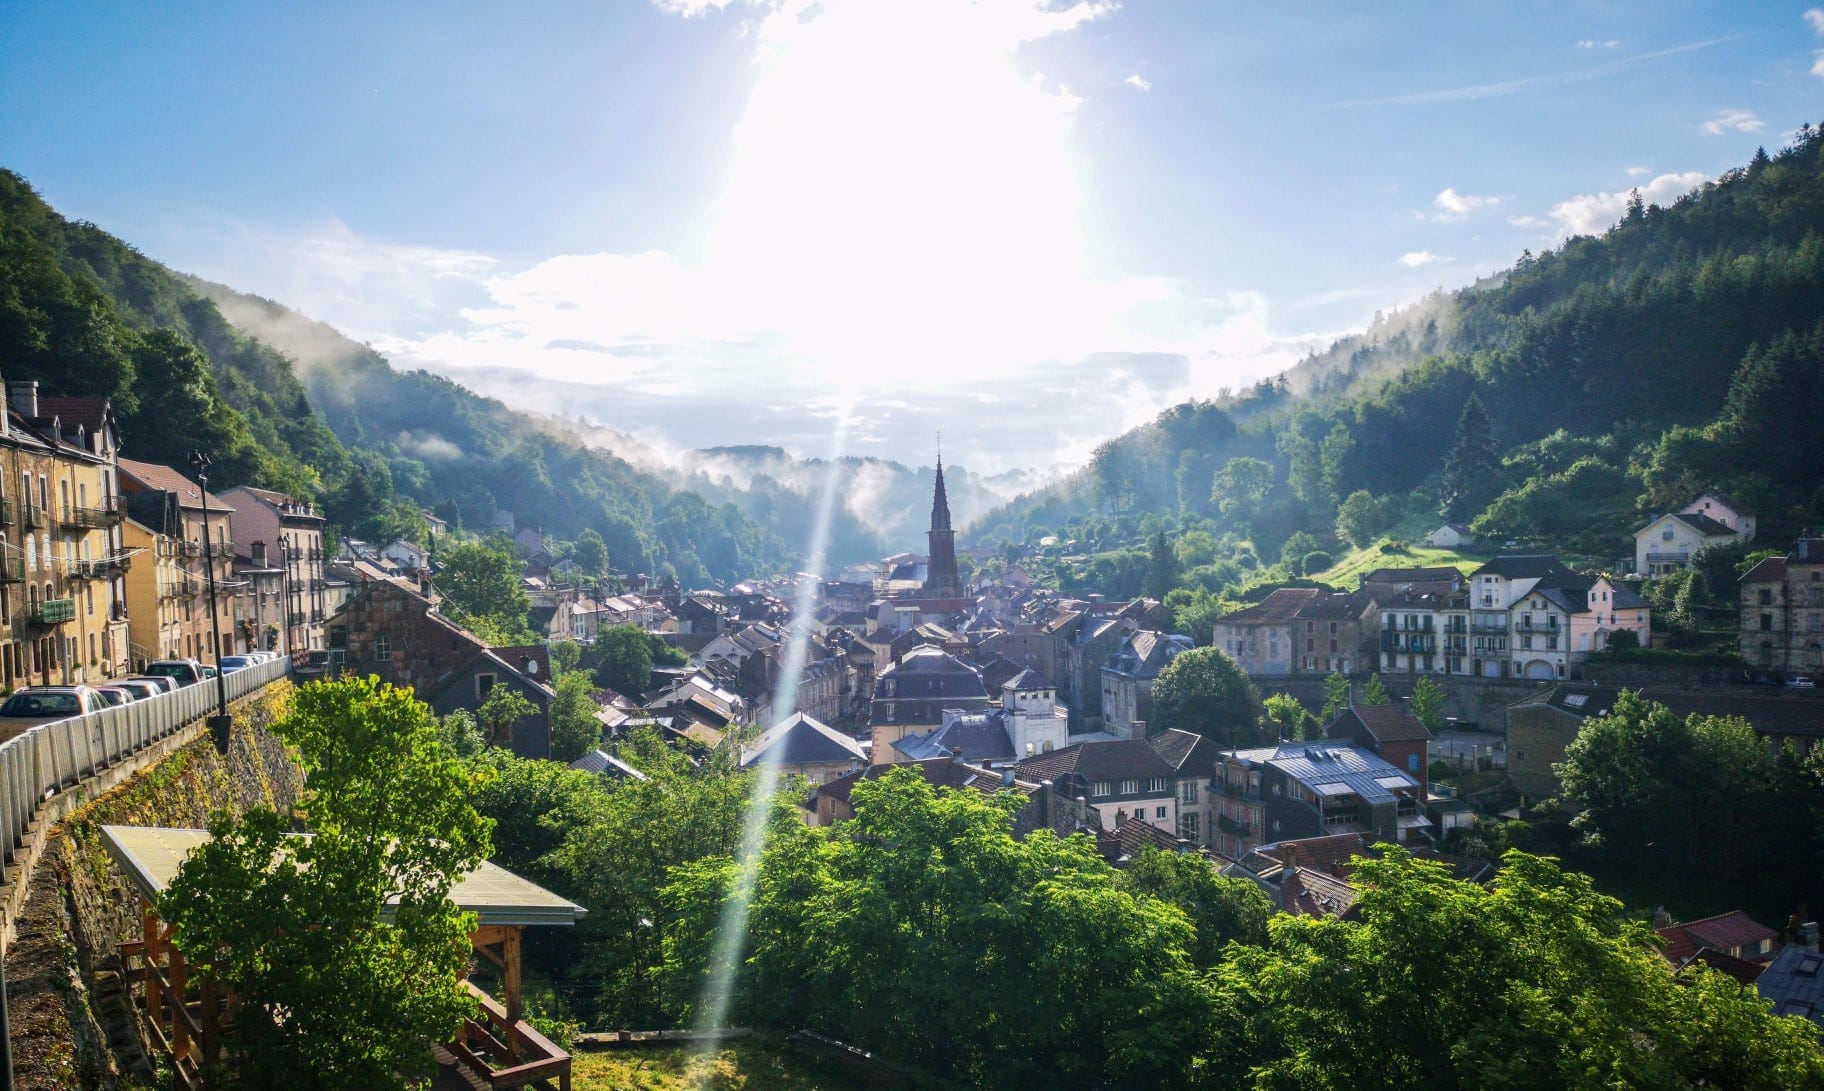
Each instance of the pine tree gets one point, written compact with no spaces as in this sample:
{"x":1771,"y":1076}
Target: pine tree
{"x":1472,"y":470}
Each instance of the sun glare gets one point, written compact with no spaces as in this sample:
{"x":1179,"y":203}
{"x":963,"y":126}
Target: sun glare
{"x":899,"y":192}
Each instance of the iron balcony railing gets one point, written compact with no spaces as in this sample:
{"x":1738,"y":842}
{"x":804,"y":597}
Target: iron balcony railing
{"x":34,"y":517}
{"x":52,"y":611}
{"x":86,"y":518}
{"x":12,"y":570}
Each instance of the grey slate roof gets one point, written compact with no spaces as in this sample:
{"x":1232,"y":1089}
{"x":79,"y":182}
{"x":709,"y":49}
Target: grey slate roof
{"x":1524,"y":566}
{"x":802,"y":740}
{"x":982,"y":736}
{"x":1794,"y":981}
{"x":1703,"y":524}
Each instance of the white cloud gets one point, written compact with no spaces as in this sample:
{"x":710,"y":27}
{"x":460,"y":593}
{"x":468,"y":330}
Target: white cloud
{"x":1138,"y":82}
{"x":1741,"y":121}
{"x":1817,"y":64}
{"x":1594,"y":43}
{"x":1419,"y":258}
{"x":1639,"y":172}
{"x":1452,"y":205}
{"x":1525,"y":221}
{"x":690,"y":9}
{"x":1815,"y":19}
{"x":1591,"y":213}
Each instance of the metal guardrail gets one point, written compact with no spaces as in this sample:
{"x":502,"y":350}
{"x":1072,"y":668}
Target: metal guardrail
{"x":43,"y":760}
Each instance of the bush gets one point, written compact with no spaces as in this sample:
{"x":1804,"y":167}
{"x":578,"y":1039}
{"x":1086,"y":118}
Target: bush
{"x":1315,"y":561}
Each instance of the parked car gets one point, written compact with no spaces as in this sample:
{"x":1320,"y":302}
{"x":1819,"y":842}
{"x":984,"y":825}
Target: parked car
{"x":36,"y":705}
{"x":144,"y":688}
{"x":185,"y":672}
{"x":164,"y":682}
{"x":1800,"y":682}
{"x":209,"y":671}
{"x":232,"y":663}
{"x":115,"y":696}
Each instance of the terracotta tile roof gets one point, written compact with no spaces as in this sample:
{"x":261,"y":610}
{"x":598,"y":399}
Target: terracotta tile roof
{"x":1725,"y":932}
{"x":156,"y":478}
{"x":1767,"y":570}
{"x":1307,"y":893}
{"x":1391,"y":723}
{"x":91,"y":413}
{"x":1130,"y":839}
{"x":1327,"y":854}
{"x":1119,"y":759}
{"x":1722,"y":961}
{"x":1276,"y":609}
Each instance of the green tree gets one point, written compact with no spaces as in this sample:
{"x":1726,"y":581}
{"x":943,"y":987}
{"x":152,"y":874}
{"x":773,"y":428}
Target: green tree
{"x":1287,"y":717}
{"x":590,"y":553}
{"x":623,"y":660}
{"x":924,"y":930}
{"x":1238,"y":491}
{"x":1361,"y":518}
{"x":1374,"y":692}
{"x":1296,"y":548}
{"x":1534,"y":980}
{"x":574,"y":727}
{"x":1222,"y":910}
{"x":480,"y":584}
{"x":1428,"y":703}
{"x":1162,"y":571}
{"x":344,"y":947}
{"x":501,"y":712}
{"x":1336,"y":697}
{"x":1472,"y":470}
{"x":1203,"y":691}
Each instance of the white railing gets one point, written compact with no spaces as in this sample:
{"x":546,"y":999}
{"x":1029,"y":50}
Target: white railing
{"x":44,"y":760}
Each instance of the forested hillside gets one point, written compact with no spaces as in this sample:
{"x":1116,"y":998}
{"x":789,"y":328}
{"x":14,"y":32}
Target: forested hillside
{"x":1560,"y":402}
{"x":84,"y":313}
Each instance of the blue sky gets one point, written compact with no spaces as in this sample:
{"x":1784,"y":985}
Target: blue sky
{"x":1030,"y":225}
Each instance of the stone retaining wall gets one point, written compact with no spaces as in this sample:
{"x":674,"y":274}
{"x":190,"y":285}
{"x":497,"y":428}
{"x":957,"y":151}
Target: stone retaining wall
{"x":71,"y":1026}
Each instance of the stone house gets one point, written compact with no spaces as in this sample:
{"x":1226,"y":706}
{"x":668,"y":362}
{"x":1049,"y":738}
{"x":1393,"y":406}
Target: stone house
{"x":1128,"y":677}
{"x":167,"y":503}
{"x":396,"y":634}
{"x":803,"y":746}
{"x":1541,"y":726}
{"x":275,"y":530}
{"x":1781,"y":603}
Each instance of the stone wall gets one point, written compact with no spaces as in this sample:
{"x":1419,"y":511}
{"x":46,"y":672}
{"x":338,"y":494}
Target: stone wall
{"x":1482,"y":701}
{"x":71,"y":1026}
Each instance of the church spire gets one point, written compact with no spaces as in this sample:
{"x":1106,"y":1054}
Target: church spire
{"x":940,"y":502}
{"x":941,"y":580}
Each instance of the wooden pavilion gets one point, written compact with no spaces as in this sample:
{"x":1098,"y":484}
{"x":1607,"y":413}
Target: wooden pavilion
{"x":190,"y":1022}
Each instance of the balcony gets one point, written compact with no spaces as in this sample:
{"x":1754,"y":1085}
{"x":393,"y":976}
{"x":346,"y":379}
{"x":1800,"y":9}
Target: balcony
{"x":1234,"y":826}
{"x":189,"y":549}
{"x":12,"y":570}
{"x":296,"y":617}
{"x":1415,"y":641}
{"x":1681,"y":558}
{"x":52,"y":612}
{"x":34,"y":517}
{"x":101,"y":518}
{"x":1529,"y":627}
{"x":219,"y":550}
{"x":186,"y":588}
{"x":1489,"y":625}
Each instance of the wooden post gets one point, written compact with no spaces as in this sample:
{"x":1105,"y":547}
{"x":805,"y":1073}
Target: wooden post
{"x":509,"y":951}
{"x":180,"y":999}
{"x":149,"y":931}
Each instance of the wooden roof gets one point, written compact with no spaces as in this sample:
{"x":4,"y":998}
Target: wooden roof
{"x":151,"y":855}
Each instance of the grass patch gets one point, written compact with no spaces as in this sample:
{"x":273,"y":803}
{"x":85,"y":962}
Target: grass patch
{"x":1348,"y":572}
{"x":750,"y":1064}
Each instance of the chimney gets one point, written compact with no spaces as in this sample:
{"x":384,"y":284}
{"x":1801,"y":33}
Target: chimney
{"x":956,"y":754}
{"x":22,"y":396}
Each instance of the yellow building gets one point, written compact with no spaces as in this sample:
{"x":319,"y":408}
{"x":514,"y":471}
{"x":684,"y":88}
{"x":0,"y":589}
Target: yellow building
{"x":159,"y":593}
{"x":63,"y":617}
{"x":167,"y":505}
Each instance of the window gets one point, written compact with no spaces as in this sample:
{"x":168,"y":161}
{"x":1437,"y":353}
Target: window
{"x":1766,"y":623}
{"x":1766,"y":596}
{"x":484,"y":684}
{"x":1188,"y":826}
{"x":1130,"y":788}
{"x":1098,"y":789}
{"x":383,"y":649}
{"x":1665,"y":535}
{"x":1187,"y":792}
{"x":1159,"y":812}
{"x":1412,"y":763}
{"x":1156,"y":786}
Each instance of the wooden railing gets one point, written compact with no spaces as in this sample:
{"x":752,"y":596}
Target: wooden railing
{"x":46,"y":759}
{"x":505,"y":1052}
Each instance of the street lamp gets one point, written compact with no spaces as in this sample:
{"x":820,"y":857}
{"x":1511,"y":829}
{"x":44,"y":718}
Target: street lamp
{"x":220,"y":722}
